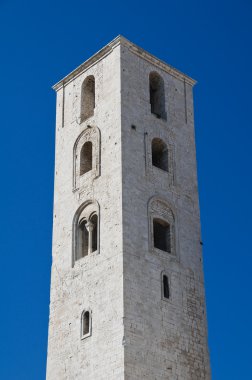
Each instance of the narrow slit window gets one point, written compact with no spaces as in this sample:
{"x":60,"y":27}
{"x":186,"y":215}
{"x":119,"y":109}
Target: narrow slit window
{"x":162,"y":235}
{"x":85,"y":324}
{"x":159,"y":154}
{"x":166,"y":290}
{"x":86,"y":158}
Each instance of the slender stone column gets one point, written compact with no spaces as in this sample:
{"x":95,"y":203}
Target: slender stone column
{"x":90,"y":226}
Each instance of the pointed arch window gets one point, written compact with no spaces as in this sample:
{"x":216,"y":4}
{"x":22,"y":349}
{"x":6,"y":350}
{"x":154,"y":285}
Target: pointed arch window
{"x":87,"y":98}
{"x":157,"y":95}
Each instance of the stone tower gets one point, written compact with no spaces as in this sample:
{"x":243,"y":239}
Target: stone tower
{"x":127,"y":288}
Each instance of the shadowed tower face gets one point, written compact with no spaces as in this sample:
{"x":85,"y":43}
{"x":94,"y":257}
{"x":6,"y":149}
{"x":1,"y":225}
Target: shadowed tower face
{"x":127,"y":288}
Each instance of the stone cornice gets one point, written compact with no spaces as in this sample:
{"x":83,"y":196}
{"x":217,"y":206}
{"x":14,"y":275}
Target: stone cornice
{"x":120,"y":40}
{"x":157,"y":62}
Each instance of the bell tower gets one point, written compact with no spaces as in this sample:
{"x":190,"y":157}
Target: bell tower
{"x":127,"y":288}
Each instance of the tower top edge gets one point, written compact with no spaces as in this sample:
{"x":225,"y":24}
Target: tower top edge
{"x":107,"y":49}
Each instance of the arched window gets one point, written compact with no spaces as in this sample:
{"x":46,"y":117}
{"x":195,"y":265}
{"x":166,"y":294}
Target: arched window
{"x":82,"y":249}
{"x":85,"y":324}
{"x":162,"y":235}
{"x":162,"y":226}
{"x":86,"y":158}
{"x":157,"y":95}
{"x":85,"y":230}
{"x":159,"y":154}
{"x":165,"y":286}
{"x":88,"y":97}
{"x":87,"y":236}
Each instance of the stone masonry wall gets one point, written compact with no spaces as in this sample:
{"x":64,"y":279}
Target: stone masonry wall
{"x":96,"y":280}
{"x":164,"y":339}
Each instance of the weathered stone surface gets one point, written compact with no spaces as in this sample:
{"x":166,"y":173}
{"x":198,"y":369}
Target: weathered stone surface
{"x":136,"y":334}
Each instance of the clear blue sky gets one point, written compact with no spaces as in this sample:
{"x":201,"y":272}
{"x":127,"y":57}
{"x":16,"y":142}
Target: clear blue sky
{"x":43,"y":41}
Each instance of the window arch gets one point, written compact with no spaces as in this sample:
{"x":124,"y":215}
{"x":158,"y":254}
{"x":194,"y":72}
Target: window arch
{"x":85,"y":231}
{"x":88,"y":97}
{"x":86,"y":157}
{"x":85,"y":324}
{"x":157,"y":95}
{"x":161,"y":226}
{"x":159,"y":152}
